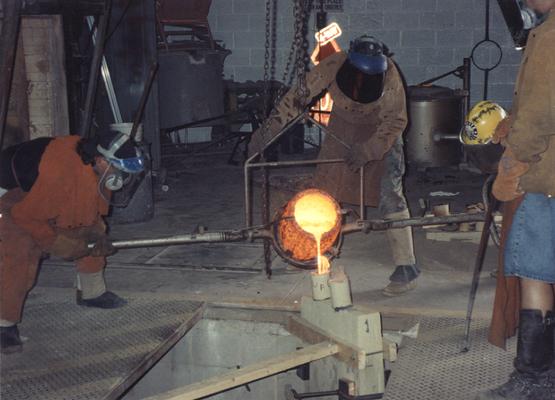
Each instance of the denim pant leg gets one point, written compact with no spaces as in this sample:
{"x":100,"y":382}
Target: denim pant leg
{"x":392,"y":199}
{"x":530,"y":248}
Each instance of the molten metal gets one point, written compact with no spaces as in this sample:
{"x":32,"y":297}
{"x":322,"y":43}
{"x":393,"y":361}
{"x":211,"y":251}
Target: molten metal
{"x":316,"y":214}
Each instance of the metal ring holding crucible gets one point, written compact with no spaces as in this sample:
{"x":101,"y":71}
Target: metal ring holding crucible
{"x":295,"y":244}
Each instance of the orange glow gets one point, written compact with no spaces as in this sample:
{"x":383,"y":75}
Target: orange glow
{"x":326,"y":46}
{"x":328,"y":33}
{"x":316,"y":214}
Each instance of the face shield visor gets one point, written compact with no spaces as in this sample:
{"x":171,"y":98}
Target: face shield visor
{"x":124,"y":174}
{"x":362,"y":76}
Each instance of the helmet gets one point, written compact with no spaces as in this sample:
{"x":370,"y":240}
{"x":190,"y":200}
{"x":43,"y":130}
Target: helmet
{"x":122,"y":154}
{"x":128,"y":162}
{"x":481,"y":122}
{"x":362,"y":76}
{"x":368,"y":55}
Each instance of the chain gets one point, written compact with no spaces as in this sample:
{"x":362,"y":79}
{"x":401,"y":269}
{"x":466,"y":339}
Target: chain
{"x":269,"y":72}
{"x":299,"y":49}
{"x":302,"y":9}
{"x":268,"y":28}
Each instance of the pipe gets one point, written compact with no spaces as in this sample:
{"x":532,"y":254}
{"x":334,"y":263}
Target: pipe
{"x":381,"y":224}
{"x":208,"y":237}
{"x":142,"y":102}
{"x":8,"y":48}
{"x":95,"y":68}
{"x":478,"y":264}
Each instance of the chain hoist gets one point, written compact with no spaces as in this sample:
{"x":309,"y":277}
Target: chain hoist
{"x":299,"y":49}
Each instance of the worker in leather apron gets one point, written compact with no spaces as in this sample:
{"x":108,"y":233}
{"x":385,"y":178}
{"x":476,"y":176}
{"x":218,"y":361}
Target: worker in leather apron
{"x":365,"y":128}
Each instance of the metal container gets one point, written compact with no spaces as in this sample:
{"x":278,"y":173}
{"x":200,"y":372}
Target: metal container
{"x":435,"y":120}
{"x":191,"y":86}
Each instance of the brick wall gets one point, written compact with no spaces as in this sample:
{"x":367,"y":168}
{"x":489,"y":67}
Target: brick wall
{"x":428,"y":37}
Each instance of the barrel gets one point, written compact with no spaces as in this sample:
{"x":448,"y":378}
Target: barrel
{"x":435,"y":120}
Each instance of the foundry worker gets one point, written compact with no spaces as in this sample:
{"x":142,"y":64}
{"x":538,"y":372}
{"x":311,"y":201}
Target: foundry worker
{"x":365,"y":128}
{"x":526,"y":183}
{"x":54,"y":195}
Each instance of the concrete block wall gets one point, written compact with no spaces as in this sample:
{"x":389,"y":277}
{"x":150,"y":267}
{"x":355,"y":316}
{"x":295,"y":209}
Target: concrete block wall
{"x":428,"y":37}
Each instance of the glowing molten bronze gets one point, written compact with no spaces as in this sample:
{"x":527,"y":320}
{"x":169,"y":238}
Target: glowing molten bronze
{"x":310,"y":224}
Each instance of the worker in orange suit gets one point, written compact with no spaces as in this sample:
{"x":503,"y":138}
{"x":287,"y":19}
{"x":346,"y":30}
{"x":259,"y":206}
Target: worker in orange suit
{"x":54,"y":194}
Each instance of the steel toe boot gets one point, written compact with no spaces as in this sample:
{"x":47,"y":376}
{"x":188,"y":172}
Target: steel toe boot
{"x":531,"y":379}
{"x":402,"y":280}
{"x":10,"y":342}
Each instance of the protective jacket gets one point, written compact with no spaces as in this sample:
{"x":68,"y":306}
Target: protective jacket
{"x":532,"y":132}
{"x":531,"y":137}
{"x":64,"y":198}
{"x":372,"y":127}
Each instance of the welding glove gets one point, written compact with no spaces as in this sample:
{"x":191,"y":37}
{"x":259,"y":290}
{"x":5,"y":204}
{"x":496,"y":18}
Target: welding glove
{"x":355,"y":158}
{"x":103,"y":248}
{"x":69,"y":248}
{"x":502,"y":131}
{"x":506,"y":186}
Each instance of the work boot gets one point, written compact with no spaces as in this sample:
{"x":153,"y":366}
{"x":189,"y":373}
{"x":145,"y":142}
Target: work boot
{"x":10,"y":342}
{"x":105,"y":300}
{"x":531,"y":379}
{"x":402,"y":280}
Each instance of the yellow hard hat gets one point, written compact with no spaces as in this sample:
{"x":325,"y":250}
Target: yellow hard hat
{"x":481,"y":122}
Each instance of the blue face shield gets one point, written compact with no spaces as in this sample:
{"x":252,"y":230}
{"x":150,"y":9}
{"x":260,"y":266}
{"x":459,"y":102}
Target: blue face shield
{"x":370,"y":65}
{"x":132,"y":165}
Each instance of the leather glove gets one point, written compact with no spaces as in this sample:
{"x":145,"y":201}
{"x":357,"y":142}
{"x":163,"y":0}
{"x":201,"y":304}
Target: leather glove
{"x":103,"y":248}
{"x":91,"y":233}
{"x":506,"y":186}
{"x":355,"y":159}
{"x":69,"y":248}
{"x":502,"y":130}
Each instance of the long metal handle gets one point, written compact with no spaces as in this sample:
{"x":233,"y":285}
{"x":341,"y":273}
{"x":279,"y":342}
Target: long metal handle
{"x":207,"y":237}
{"x":477,"y":270}
{"x":105,"y":71}
{"x":384,"y":224}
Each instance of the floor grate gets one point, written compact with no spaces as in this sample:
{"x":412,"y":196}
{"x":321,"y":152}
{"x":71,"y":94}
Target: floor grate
{"x":84,"y":353}
{"x":432,"y":367}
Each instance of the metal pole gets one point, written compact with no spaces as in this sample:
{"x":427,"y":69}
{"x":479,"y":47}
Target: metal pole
{"x":107,"y":78}
{"x":8,"y":48}
{"x":477,"y":270}
{"x":362,"y":208}
{"x":384,"y":224}
{"x":95,"y":68}
{"x":144,"y":98}
{"x":208,"y":237}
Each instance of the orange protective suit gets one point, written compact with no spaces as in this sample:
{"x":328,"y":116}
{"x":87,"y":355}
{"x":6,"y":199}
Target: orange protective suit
{"x":64,"y":198}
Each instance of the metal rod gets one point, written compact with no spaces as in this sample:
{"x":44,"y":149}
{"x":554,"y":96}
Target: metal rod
{"x":296,"y":163}
{"x":384,"y":224}
{"x":208,"y":237}
{"x":8,"y":50}
{"x":144,"y":98}
{"x":107,"y":79}
{"x":362,"y":209}
{"x":477,"y":270}
{"x":466,"y":85}
{"x":95,"y":67}
{"x":248,"y":214}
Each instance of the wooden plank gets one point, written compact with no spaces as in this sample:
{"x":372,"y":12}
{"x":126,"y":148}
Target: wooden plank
{"x":250,"y":373}
{"x":389,"y":350}
{"x":312,"y":334}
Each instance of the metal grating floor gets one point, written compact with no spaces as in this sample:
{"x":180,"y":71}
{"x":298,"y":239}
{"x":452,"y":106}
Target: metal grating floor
{"x":85,"y":353}
{"x":432,"y":366}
